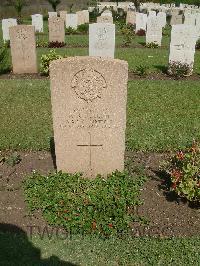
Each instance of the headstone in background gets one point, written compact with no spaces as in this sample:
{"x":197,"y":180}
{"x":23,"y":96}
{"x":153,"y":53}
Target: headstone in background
{"x":6,"y":24}
{"x":105,"y":19}
{"x":154,"y":31}
{"x":56,"y":30}
{"x":37,"y":22}
{"x":182,"y":46}
{"x":23,"y":49}
{"x":131,"y":17}
{"x":52,"y":14}
{"x":162,"y":18}
{"x":107,"y":13}
{"x":102,"y":39}
{"x":72,"y":21}
{"x":89,"y":96}
{"x":63,"y":15}
{"x":81,"y":17}
{"x":189,"y":19}
{"x":141,"y":21}
{"x":152,"y":13}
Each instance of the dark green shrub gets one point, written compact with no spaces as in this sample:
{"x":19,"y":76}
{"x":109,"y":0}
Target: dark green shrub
{"x":5,"y":65}
{"x":98,"y":206}
{"x":84,"y":28}
{"x":70,"y":31}
{"x":128,"y":35}
{"x":46,"y":60}
{"x":141,"y":70}
{"x":198,"y":44}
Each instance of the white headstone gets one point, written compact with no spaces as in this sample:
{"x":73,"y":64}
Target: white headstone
{"x":72,"y":21}
{"x":107,"y":13}
{"x":162,"y":18}
{"x":152,"y":13}
{"x":102,"y":39}
{"x":131,"y":17}
{"x":190,"y":19}
{"x":141,"y":21}
{"x":37,"y":22}
{"x":6,"y":24}
{"x":154,"y":31}
{"x":182,"y":46}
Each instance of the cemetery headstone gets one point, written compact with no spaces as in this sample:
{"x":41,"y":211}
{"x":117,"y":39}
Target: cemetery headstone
{"x":102,"y":39}
{"x":162,"y":18}
{"x":131,"y":17}
{"x":154,"y":31}
{"x":72,"y":21}
{"x":104,"y":19}
{"x":141,"y":21}
{"x":182,"y":46}
{"x":56,"y":30}
{"x":63,"y":15}
{"x":6,"y":24}
{"x":52,"y":14}
{"x":37,"y":22}
{"x":89,"y":97}
{"x":23,"y":49}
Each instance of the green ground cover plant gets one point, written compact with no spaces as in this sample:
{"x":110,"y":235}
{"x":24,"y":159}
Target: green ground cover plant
{"x":102,"y":206}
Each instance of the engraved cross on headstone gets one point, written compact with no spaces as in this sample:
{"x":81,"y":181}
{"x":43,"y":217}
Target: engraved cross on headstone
{"x":90,"y":145}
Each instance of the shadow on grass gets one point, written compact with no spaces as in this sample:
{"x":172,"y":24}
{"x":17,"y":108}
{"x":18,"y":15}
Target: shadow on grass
{"x":53,"y":153}
{"x":161,"y":68}
{"x":142,"y":43}
{"x":16,"y":249}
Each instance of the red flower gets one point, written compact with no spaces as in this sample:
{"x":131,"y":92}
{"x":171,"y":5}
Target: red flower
{"x":110,"y":225}
{"x":65,"y":211}
{"x":94,"y":225}
{"x":174,"y":185}
{"x":180,"y":155}
{"x":177,"y":174}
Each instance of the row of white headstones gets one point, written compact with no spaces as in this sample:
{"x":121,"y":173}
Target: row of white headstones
{"x":102,"y":37}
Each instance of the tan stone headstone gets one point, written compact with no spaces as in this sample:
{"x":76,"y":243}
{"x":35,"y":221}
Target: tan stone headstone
{"x":56,"y":30}
{"x":23,"y":49}
{"x":89,"y":97}
{"x":63,"y":15}
{"x":131,"y":17}
{"x":104,"y":19}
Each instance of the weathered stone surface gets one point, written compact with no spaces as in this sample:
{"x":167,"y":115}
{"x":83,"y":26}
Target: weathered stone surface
{"x":72,"y":21}
{"x":37,"y":22}
{"x":105,"y":19}
{"x":154,"y":31}
{"x":52,"y":14}
{"x":6,"y":24}
{"x":63,"y":15}
{"x":162,"y":18}
{"x":182,"y":46}
{"x":89,"y":114}
{"x":102,"y":39}
{"x":176,"y":19}
{"x":131,"y":17}
{"x":56,"y":30}
{"x":141,"y":22}
{"x":23,"y":49}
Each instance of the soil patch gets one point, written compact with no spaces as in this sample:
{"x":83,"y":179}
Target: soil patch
{"x":167,"y":215}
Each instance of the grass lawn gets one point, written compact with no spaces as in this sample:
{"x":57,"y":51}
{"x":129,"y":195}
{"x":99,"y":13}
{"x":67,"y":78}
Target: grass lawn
{"x":160,"y":115}
{"x":20,"y":250}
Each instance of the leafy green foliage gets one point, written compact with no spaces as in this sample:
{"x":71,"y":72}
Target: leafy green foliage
{"x":128,"y":34}
{"x":70,"y":31}
{"x":184,"y":171}
{"x":4,"y":60}
{"x":99,"y":206}
{"x":46,"y":60}
{"x":141,"y":70}
{"x":178,"y":69}
{"x":151,"y":45}
{"x":84,"y":28}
